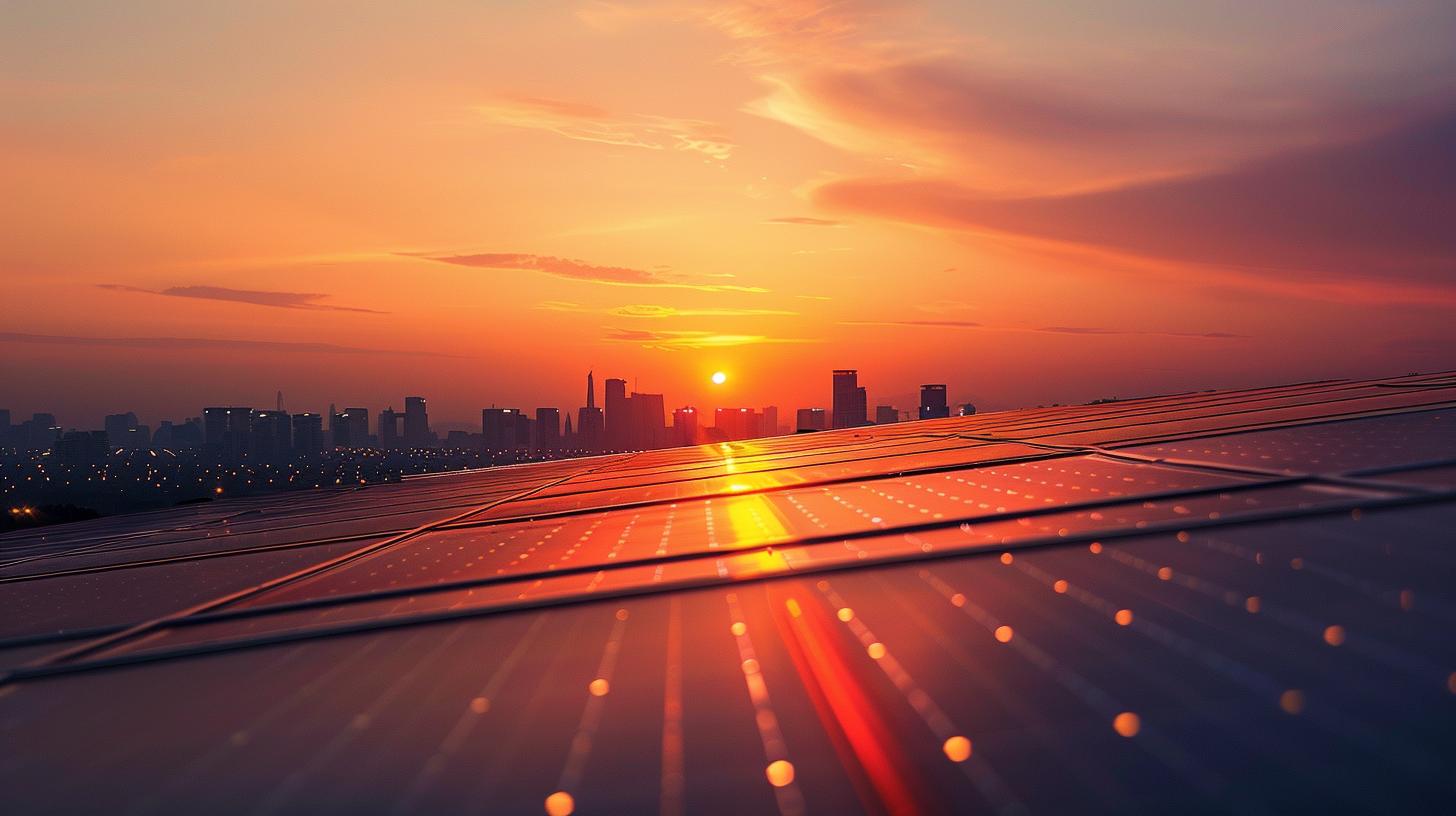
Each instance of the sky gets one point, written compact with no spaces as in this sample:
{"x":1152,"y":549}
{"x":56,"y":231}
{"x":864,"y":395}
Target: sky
{"x":1033,"y":202}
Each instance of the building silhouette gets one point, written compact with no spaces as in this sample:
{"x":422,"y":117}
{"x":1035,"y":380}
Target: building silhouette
{"x":498,"y":428}
{"x":308,"y":434}
{"x":738,"y":423}
{"x":590,"y":424}
{"x":648,"y":417}
{"x":270,"y":436}
{"x":388,"y":429}
{"x":548,"y":429}
{"x":932,"y":401}
{"x":886,"y":415}
{"x":617,"y":419}
{"x":685,"y":426}
{"x":416,"y":423}
{"x":811,"y":419}
{"x":849,"y":406}
{"x":770,"y":421}
{"x":226,"y":431}
{"x":351,"y":428}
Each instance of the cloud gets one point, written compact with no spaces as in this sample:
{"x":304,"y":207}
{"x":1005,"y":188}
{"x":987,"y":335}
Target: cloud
{"x":647,"y":310}
{"x":589,"y":123}
{"x":202,"y":344}
{"x":279,"y":300}
{"x":805,"y":221}
{"x":680,"y":340}
{"x":1083,"y":330}
{"x":1376,"y":210}
{"x":578,"y":270}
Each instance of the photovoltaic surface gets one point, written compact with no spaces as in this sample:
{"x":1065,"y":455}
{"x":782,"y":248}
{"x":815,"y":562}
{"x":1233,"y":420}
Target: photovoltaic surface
{"x":1234,"y":601}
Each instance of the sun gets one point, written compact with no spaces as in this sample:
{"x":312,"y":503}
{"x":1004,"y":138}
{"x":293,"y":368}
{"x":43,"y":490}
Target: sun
{"x":719,"y":378}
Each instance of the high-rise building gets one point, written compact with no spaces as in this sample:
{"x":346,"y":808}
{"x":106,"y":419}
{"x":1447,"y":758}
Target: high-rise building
{"x":770,"y":421}
{"x":270,"y":436}
{"x":684,"y":426}
{"x":968,"y":409}
{"x":5,"y":428}
{"x":388,"y":429}
{"x":82,"y":447}
{"x":618,"y":418}
{"x":119,"y":428}
{"x":226,"y":431}
{"x":738,"y":423}
{"x":308,"y":433}
{"x":416,"y":423}
{"x":590,"y":424}
{"x":498,"y":428}
{"x":351,"y":428}
{"x":648,"y":421}
{"x":811,"y":419}
{"x":932,"y":401}
{"x":849,"y":399}
{"x":548,"y":429}
{"x":886,"y":415}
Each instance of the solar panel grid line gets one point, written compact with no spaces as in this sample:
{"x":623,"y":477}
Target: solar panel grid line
{"x":147,"y":626}
{"x":1271,"y":423}
{"x":53,"y":667}
{"x":808,"y":540}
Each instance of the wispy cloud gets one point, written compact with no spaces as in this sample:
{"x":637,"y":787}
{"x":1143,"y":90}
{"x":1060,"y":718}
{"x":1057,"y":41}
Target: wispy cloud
{"x":805,"y":221}
{"x":1085,"y":330}
{"x":590,"y":123}
{"x":681,"y":340}
{"x":1375,"y":211}
{"x":648,"y":310}
{"x":579,"y":270}
{"x":254,"y":297}
{"x":203,"y":344}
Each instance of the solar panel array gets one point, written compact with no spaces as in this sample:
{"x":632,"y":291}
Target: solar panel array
{"x":1209,"y":602}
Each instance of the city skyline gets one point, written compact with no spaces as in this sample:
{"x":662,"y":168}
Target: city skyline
{"x":627,"y":420}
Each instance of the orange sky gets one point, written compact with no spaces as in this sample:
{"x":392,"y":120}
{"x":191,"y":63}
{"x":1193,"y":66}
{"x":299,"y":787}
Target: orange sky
{"x":1033,"y":202}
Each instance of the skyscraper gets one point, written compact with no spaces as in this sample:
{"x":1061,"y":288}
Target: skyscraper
{"x":308,"y":433}
{"x":226,"y":431}
{"x":770,"y":421}
{"x":932,"y":401}
{"x":416,"y":423}
{"x":886,"y":415}
{"x":738,"y":423}
{"x":590,"y":425}
{"x":618,"y":419}
{"x":270,"y":436}
{"x":811,"y":419}
{"x":388,"y":429}
{"x":684,"y":426}
{"x":498,"y":428}
{"x":849,"y":399}
{"x":648,"y":418}
{"x":548,"y":429}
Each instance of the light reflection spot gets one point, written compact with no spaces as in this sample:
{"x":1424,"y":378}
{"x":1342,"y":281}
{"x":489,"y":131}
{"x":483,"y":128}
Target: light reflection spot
{"x":1123,"y":617}
{"x":738,"y":628}
{"x":1059,"y":587}
{"x":958,"y":600}
{"x":1334,"y":635}
{"x":1127,"y":724}
{"x":1004,"y":634}
{"x":560,"y":803}
{"x":845,"y":614}
{"x":876,"y":650}
{"x":480,"y":705}
{"x":599,"y":687}
{"x":1292,"y":701}
{"x":780,"y":772}
{"x":1095,"y":547}
{"x":1006,"y":558}
{"x":957,"y":749}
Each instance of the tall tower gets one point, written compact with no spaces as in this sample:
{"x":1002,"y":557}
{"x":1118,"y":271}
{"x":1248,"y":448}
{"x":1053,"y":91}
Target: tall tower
{"x":591,"y":391}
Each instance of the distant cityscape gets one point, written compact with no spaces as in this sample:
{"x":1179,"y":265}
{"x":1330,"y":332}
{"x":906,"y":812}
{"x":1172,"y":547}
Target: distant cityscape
{"x":50,"y":474}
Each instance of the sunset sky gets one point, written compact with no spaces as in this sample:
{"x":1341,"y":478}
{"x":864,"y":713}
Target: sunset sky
{"x":1034,"y":202}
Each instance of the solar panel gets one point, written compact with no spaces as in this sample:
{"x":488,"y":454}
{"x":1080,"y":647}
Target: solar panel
{"x":1215,"y":601}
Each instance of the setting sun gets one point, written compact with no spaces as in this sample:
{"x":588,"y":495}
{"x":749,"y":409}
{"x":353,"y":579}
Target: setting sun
{"x":719,"y":378}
